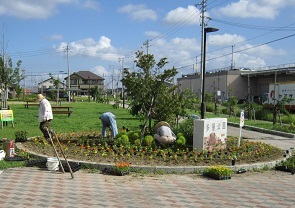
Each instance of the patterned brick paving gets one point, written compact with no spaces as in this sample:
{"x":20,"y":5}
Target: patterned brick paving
{"x":33,"y":187}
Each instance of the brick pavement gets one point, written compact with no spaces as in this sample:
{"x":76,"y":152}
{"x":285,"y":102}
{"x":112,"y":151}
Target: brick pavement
{"x":34,"y":187}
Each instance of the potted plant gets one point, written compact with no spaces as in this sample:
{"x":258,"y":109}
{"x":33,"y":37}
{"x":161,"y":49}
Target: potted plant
{"x":218,"y":172}
{"x":233,"y":159}
{"x":121,"y":168}
{"x":21,"y":136}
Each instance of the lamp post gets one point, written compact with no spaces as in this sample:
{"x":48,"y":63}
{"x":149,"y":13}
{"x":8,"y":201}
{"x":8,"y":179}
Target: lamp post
{"x":232,"y":57}
{"x":203,"y":105}
{"x":88,"y":89}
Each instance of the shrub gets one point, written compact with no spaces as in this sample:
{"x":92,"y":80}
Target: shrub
{"x":148,"y":140}
{"x":137,"y":142}
{"x":187,"y":130}
{"x":123,"y":140}
{"x":133,"y":136}
{"x":21,"y":136}
{"x":179,"y":134}
{"x":264,"y":114}
{"x":210,"y":107}
{"x":181,"y":141}
{"x":225,"y":111}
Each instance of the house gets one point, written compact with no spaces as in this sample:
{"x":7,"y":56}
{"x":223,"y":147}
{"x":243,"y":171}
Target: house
{"x":49,"y":84}
{"x":82,"y":81}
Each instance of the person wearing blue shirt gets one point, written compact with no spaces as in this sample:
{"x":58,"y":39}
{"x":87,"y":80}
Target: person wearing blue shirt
{"x":109,"y":120}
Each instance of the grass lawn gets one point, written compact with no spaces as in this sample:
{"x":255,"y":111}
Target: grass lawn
{"x":85,"y":117}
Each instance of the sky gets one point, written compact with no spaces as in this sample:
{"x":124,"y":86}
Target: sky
{"x":102,"y":36}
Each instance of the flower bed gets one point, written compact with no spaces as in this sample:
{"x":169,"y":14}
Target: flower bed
{"x":89,"y":146}
{"x":218,"y":172}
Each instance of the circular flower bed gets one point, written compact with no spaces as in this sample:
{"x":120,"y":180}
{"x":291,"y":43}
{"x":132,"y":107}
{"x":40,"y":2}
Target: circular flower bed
{"x":92,"y":147}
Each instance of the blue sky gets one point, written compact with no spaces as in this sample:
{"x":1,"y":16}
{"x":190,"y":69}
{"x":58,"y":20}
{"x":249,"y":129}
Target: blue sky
{"x":103,"y":36}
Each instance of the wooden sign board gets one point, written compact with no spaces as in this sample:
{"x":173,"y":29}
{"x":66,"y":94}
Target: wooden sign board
{"x":6,"y":116}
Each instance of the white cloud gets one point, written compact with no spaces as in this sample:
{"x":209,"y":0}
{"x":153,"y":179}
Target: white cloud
{"x":31,"y":9}
{"x":89,"y":47}
{"x":151,"y":34}
{"x":224,"y":39}
{"x":256,"y":8}
{"x":40,"y":9}
{"x":55,"y":37}
{"x":189,"y":15}
{"x":100,"y":71}
{"x":138,"y":12}
{"x":91,"y":4}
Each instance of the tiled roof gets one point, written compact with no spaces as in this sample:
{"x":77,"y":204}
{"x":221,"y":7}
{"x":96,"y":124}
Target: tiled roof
{"x":88,"y":75}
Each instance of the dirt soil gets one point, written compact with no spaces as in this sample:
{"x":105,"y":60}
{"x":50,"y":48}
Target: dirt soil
{"x":90,"y":155}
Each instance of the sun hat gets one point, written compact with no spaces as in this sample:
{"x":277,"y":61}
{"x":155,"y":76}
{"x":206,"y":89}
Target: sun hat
{"x":39,"y":98}
{"x":161,"y":123}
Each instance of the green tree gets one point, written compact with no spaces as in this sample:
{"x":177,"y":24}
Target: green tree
{"x":56,"y":83}
{"x":19,"y":77}
{"x":150,"y":93}
{"x":8,"y":77}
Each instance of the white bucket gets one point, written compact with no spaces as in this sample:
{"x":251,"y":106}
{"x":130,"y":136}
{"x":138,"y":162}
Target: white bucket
{"x":2,"y":154}
{"x":52,"y":164}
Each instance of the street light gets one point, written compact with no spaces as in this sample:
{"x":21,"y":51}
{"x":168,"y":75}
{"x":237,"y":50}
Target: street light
{"x":232,"y":57}
{"x":88,"y":89}
{"x":203,"y":105}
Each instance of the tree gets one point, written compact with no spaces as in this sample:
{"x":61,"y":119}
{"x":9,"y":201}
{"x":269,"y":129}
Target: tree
{"x":19,"y":77}
{"x":8,"y":77}
{"x":56,"y":83}
{"x":150,"y":92}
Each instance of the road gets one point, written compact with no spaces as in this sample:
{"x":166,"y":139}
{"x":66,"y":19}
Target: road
{"x":274,"y":140}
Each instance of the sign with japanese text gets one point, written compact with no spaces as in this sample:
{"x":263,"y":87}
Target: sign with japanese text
{"x":210,"y":133}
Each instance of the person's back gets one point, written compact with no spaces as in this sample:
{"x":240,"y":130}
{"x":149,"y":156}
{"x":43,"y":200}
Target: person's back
{"x":165,"y":135}
{"x":108,"y":119}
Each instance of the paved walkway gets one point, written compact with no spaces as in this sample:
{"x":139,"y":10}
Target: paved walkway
{"x":33,"y":187}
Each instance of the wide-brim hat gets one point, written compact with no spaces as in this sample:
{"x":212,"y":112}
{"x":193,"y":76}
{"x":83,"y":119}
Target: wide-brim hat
{"x":161,"y":123}
{"x":39,"y":98}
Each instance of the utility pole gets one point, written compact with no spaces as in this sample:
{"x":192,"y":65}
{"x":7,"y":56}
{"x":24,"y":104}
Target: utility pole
{"x":112,"y":68}
{"x":203,"y":10}
{"x":69,"y":80}
{"x":196,"y":65}
{"x":146,"y":43}
{"x":122,"y":65}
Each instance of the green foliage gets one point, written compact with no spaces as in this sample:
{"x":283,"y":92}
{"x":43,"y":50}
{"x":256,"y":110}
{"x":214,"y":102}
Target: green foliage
{"x":179,"y":134}
{"x":133,"y":136}
{"x":150,"y":93}
{"x":148,"y":140}
{"x":208,"y":97}
{"x":186,"y":128}
{"x":21,"y":136}
{"x":210,"y":107}
{"x":181,"y":141}
{"x":137,"y":142}
{"x":123,"y":140}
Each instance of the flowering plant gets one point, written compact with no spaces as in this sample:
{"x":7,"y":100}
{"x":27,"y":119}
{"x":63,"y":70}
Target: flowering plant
{"x":218,"y":171}
{"x":122,"y":167}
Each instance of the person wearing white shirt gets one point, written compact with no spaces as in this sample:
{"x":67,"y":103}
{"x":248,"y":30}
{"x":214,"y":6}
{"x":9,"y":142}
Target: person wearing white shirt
{"x":164,"y":133}
{"x":45,"y":115}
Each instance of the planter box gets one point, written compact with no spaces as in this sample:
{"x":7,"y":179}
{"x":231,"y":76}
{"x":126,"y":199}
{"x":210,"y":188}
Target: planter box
{"x":284,"y":168}
{"x":216,"y":177}
{"x":112,"y":172}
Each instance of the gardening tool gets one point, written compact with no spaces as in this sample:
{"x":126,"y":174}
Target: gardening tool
{"x":52,"y":133}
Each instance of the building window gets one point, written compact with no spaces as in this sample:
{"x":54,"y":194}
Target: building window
{"x":74,"y":82}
